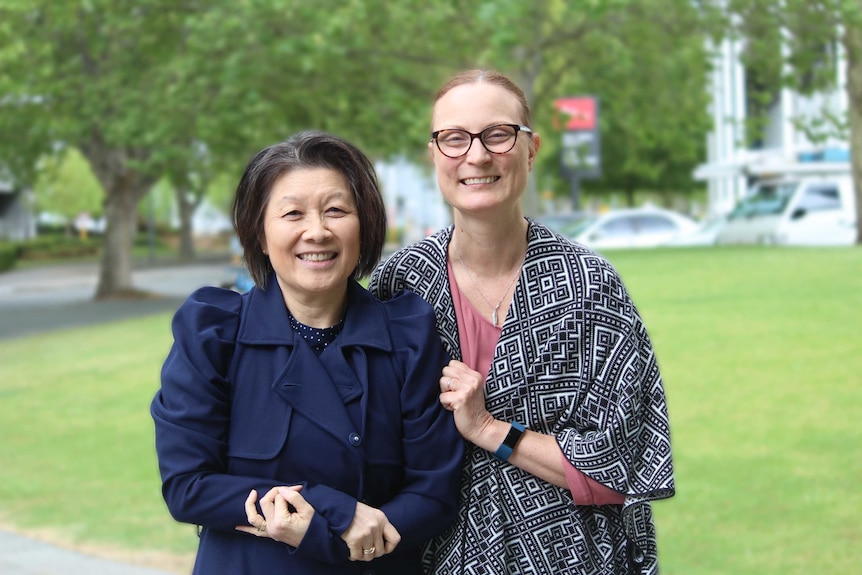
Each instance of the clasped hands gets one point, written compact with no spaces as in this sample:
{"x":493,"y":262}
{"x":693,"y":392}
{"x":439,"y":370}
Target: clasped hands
{"x":287,"y":515}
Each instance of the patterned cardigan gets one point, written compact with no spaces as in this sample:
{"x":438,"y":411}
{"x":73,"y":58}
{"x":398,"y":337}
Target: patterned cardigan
{"x":575,"y":361}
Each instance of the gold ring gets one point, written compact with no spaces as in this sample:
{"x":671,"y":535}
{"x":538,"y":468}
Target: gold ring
{"x":262,"y":527}
{"x":449,"y":385}
{"x":369,"y":551}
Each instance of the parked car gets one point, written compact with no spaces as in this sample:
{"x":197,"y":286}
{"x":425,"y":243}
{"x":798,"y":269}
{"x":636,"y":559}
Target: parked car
{"x":560,"y":221}
{"x":632,"y":228}
{"x":795,"y":210}
{"x":706,"y":233}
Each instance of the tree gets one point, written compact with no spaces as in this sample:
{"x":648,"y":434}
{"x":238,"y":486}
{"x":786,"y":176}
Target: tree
{"x":67,"y":186}
{"x":154,"y":88}
{"x":89,"y":73}
{"x":790,"y":43}
{"x":190,"y":91}
{"x":852,"y":39}
{"x":650,"y":67}
{"x":644,"y":60}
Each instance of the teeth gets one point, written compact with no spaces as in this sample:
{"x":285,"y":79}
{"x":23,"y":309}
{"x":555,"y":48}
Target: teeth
{"x":316,"y":257}
{"x":487,"y":180}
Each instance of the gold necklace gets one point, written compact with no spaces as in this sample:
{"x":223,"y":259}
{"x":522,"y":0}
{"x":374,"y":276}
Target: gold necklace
{"x":471,"y":275}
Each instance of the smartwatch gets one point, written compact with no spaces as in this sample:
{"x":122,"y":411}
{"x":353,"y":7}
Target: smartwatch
{"x":505,"y":450}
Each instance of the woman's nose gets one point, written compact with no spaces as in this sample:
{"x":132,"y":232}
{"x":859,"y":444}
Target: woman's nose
{"x":316,"y":227}
{"x":477,"y":154}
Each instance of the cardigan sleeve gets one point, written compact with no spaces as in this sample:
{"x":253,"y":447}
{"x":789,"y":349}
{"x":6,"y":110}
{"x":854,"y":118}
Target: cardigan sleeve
{"x":619,"y":432}
{"x":586,"y":490}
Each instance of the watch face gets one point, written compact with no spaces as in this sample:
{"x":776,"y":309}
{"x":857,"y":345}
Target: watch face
{"x":505,"y":450}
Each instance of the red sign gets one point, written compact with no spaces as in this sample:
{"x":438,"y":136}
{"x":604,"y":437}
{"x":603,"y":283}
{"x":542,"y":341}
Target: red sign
{"x":581,"y":112}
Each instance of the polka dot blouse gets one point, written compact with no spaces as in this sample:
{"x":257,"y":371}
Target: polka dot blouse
{"x":318,"y":338}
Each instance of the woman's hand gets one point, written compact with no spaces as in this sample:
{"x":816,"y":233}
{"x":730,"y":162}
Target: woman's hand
{"x":278,"y":521}
{"x":463,"y":393}
{"x":370,"y":535}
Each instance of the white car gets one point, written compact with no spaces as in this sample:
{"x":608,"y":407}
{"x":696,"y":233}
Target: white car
{"x":633,"y":228}
{"x":811,"y":210}
{"x":561,"y":221}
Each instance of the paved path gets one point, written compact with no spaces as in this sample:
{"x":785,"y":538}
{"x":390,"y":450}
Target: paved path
{"x":58,"y":297}
{"x":24,"y":556}
{"x":43,"y":299}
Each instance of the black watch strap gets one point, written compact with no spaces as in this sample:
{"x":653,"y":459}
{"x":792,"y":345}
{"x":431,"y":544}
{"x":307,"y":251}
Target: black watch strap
{"x":512,"y":438}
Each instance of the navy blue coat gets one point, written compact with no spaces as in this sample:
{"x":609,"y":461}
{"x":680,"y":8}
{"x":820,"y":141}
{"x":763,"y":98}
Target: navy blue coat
{"x":246,"y":404}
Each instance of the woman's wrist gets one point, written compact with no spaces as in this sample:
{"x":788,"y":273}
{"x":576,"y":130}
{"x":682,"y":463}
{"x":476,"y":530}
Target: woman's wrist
{"x":491,"y":434}
{"x":507,"y":446}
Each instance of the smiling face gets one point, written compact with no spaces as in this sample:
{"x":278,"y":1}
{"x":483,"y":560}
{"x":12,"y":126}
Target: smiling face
{"x":481,"y":180}
{"x":311,"y":233}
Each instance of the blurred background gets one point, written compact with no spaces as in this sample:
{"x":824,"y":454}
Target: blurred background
{"x":730,"y":128}
{"x":125,"y":126}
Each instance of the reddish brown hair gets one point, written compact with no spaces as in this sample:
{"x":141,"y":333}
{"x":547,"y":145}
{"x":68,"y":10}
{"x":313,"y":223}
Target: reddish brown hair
{"x":479,"y":76}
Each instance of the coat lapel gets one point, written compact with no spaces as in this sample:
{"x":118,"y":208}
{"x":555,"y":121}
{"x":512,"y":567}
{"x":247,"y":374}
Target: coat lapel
{"x":307,"y":387}
{"x":320,"y":387}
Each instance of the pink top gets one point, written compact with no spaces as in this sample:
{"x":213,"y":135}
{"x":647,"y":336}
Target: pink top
{"x":478,"y":338}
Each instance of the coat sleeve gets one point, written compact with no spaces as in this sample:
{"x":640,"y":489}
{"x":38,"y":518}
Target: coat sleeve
{"x":191,"y":413}
{"x":433,"y":448}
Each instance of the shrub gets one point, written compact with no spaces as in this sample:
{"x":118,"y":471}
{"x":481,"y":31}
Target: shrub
{"x":8,"y":255}
{"x":57,"y":247}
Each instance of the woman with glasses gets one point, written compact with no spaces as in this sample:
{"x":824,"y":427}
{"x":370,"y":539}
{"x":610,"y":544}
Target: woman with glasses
{"x":554,"y":383}
{"x":298,"y":423}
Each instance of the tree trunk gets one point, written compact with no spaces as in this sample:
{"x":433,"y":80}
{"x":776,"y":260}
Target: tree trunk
{"x":115,"y":274}
{"x":124,"y":187}
{"x":527,"y":80}
{"x":630,"y":194}
{"x":187,"y":209}
{"x":853,"y":47}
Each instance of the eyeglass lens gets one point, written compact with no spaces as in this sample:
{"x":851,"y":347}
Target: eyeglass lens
{"x":496,"y":139}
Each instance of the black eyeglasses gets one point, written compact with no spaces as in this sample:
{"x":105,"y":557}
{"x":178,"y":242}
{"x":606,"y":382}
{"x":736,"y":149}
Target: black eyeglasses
{"x":497,"y":139}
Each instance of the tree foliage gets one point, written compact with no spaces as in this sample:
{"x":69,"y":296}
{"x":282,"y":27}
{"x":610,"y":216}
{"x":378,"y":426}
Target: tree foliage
{"x":189,"y":91}
{"x":66,"y":186}
{"x":92,"y":77}
{"x":794,"y":43}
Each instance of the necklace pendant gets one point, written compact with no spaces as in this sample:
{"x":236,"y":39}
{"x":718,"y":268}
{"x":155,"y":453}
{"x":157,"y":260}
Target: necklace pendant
{"x":494,"y":317}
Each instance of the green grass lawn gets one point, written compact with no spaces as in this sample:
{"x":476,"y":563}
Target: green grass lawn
{"x":761,"y":352}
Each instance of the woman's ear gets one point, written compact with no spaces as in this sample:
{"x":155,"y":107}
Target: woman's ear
{"x":534,"y":149}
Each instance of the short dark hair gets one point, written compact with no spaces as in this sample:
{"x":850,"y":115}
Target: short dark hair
{"x":308,"y":149}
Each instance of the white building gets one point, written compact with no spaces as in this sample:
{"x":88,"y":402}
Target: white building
{"x":414,"y":204}
{"x":16,"y":215}
{"x":731,"y":163}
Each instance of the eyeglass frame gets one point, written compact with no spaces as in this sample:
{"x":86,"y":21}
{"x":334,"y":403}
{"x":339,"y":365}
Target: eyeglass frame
{"x":516,"y":127}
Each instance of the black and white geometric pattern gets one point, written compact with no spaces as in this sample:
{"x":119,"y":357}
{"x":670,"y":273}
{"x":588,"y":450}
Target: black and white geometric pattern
{"x":573,"y":360}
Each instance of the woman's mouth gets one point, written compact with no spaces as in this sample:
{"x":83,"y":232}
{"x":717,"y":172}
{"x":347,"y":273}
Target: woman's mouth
{"x":317,"y":257}
{"x":484,"y":180}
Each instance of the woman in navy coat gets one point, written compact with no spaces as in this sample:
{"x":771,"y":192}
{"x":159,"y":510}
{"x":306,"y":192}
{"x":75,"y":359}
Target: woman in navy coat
{"x":299,"y":424}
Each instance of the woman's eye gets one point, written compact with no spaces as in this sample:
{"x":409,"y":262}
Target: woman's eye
{"x":455,"y":139}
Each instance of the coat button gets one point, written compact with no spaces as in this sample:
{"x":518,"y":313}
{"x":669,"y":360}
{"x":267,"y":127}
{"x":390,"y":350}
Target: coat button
{"x":354,"y":439}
